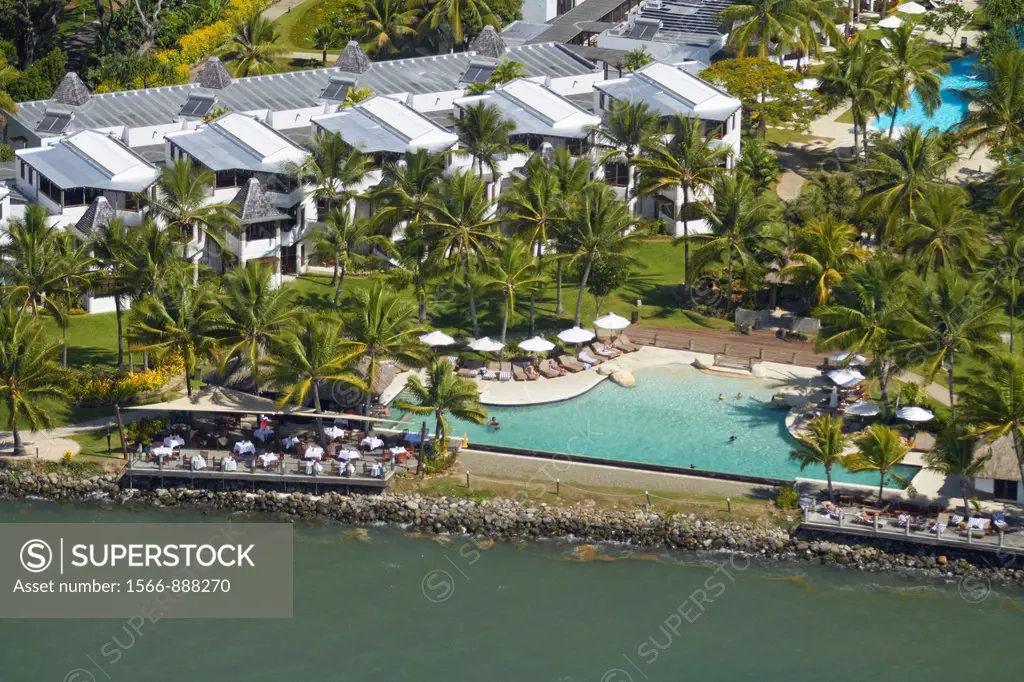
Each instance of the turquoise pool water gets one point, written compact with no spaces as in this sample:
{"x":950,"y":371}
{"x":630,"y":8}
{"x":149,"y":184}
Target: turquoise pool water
{"x":962,"y":76}
{"x":672,"y":417}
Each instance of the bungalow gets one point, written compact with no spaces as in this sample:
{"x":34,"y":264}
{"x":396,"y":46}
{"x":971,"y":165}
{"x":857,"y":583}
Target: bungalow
{"x":1000,"y":475}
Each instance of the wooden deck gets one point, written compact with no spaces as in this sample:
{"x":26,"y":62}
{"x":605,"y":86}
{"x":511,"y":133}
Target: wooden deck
{"x":996,"y":543}
{"x":757,"y":345}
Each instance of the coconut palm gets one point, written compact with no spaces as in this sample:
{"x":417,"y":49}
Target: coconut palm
{"x":253,"y":48}
{"x":28,"y":372}
{"x":880,"y":449}
{"x":911,"y":64}
{"x":507,"y":70}
{"x":330,"y":169}
{"x":828,"y":194}
{"x":952,"y":317}
{"x":996,"y":110}
{"x":452,"y":15}
{"x":111,"y":245}
{"x":152,"y":258}
{"x":761,"y":23}
{"x":901,"y":172}
{"x":388,"y":23}
{"x":824,"y":252}
{"x":512,"y":269}
{"x":308,"y":356}
{"x":457,"y":217}
{"x":597,"y":226}
{"x":1009,"y":177}
{"x":484,"y":133}
{"x":1003,"y":268}
{"x":418,"y":269}
{"x":867,"y":313}
{"x":346,"y":242}
{"x":954,"y":456}
{"x":994,"y":402}
{"x":444,"y":393}
{"x":255,"y":314}
{"x":327,"y":36}
{"x":628,"y":127}
{"x":854,"y":72}
{"x":759,"y":163}
{"x":743,"y":227}
{"x":688,"y":163}
{"x":945,"y":233}
{"x":382,"y":326}
{"x":635,"y":59}
{"x":823,"y":444}
{"x":181,"y":317}
{"x":401,"y":197}
{"x":77,"y":264}
{"x":182,"y":202}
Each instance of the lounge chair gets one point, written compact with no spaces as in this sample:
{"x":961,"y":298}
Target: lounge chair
{"x":588,"y":359}
{"x":571,"y":363}
{"x":489,"y":375}
{"x":623,"y":343}
{"x":468,"y":373}
{"x":518,"y":373}
{"x":546,"y":370}
{"x":999,"y":521}
{"x":504,"y":376}
{"x":603,"y":352}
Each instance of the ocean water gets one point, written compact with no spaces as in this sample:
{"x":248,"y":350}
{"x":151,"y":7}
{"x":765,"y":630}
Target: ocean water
{"x":386,"y":607}
{"x":671,"y":417}
{"x":963,"y":75}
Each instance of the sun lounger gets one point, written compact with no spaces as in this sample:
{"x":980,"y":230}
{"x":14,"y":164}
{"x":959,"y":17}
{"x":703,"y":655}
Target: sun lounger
{"x":547,"y":371}
{"x":489,"y":375}
{"x":518,"y":373}
{"x":999,"y":521}
{"x":504,"y":376}
{"x":468,"y":373}
{"x":571,"y":363}
{"x":588,"y":359}
{"x":602,"y":352}
{"x":623,"y":343}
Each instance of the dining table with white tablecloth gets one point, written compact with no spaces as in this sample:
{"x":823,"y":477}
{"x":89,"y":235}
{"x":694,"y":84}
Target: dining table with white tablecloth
{"x":263,"y":434}
{"x":160,"y":452}
{"x":978,"y":523}
{"x":314,"y":452}
{"x":173,"y":441}
{"x":313,"y":467}
{"x":397,"y":451}
{"x":333,"y":432}
{"x":197,"y":462}
{"x":267,"y":459}
{"x":228,"y":464}
{"x":244,"y":447}
{"x":288,"y":442}
{"x":372,"y":443}
{"x":347,"y":454}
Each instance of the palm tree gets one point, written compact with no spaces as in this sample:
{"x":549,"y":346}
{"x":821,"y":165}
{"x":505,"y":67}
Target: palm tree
{"x":742,"y":224}
{"x":330,"y":169}
{"x":444,"y":393}
{"x":635,"y":59}
{"x":484,"y":133}
{"x":628,"y":127}
{"x":111,"y":245}
{"x":1005,"y":271}
{"x":450,"y":14}
{"x":824,"y":445}
{"x":759,"y":163}
{"x":507,"y":70}
{"x":152,"y":258}
{"x":854,"y":71}
{"x":346,"y":242}
{"x":690,"y":163}
{"x":879,"y":449}
{"x":597,"y":226}
{"x":181,"y":317}
{"x":253,"y":47}
{"x":829,"y":194}
{"x":945,"y":232}
{"x":996,"y":110}
{"x":326,"y":36}
{"x":825,"y":252}
{"x":313,"y":353}
{"x":911,"y":64}
{"x":782,"y":22}
{"x":28,"y":372}
{"x":953,"y":455}
{"x":182,"y":195}
{"x":388,"y":23}
{"x":401,"y":197}
{"x":900,"y":173}
{"x":512,"y":269}
{"x":255,"y":314}
{"x":994,"y":403}
{"x":457,"y":217}
{"x":29,"y":270}
{"x":1009,"y":177}
{"x":950,"y":317}
{"x":417,"y":269}
{"x":78,"y":275}
{"x":382,"y":327}
{"x":867,"y":314}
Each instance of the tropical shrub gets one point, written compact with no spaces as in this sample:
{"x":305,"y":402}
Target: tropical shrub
{"x":98,"y":387}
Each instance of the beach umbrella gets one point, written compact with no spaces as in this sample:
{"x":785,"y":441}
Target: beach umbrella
{"x":863,"y":408}
{"x":914,"y":414}
{"x":911,"y":8}
{"x":436,"y":338}
{"x":844,"y":378}
{"x":576,"y":335}
{"x":612,"y":322}
{"x":890,"y":22}
{"x":840,"y":358}
{"x":536,"y":345}
{"x":486,"y":345}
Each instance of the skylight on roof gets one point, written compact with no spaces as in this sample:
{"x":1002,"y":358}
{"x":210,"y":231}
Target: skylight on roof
{"x":477,"y":72}
{"x":54,"y":122}
{"x":337,"y":89}
{"x":197,"y":106}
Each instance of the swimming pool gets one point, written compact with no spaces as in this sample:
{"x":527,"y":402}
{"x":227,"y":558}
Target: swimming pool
{"x":962,"y":75}
{"x":672,"y":417}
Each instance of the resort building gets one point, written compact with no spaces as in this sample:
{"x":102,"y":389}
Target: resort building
{"x":1000,"y":475}
{"x":248,"y":159}
{"x":671,"y":31}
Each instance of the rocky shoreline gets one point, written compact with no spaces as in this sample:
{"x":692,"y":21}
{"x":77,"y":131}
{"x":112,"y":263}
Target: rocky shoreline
{"x":510,"y":520}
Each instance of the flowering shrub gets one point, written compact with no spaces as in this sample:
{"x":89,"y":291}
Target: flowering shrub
{"x":96,"y":387}
{"x":204,"y":41}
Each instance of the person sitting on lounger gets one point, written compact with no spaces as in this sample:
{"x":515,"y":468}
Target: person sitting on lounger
{"x":494,"y":424}
{"x":531,"y":373}
{"x":555,"y":367}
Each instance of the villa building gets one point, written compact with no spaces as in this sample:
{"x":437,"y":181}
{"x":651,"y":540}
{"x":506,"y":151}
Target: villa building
{"x":1000,"y":475}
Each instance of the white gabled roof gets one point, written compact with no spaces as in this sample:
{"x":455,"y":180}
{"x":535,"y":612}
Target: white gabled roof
{"x":384,"y":124}
{"x":238,"y":141}
{"x":91,"y":159}
{"x":670,"y":90}
{"x":536,"y":109}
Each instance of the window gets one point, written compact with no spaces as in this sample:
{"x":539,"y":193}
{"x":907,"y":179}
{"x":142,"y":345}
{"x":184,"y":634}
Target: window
{"x":49,"y":189}
{"x":197,"y":106}
{"x":80,"y":196}
{"x":21,"y":168}
{"x":478,"y":72}
{"x":232,"y":178}
{"x":337,"y":88}
{"x":54,"y":122}
{"x":616,"y":174}
{"x":564,"y":6}
{"x":713,"y":130}
{"x":258,"y":231}
{"x":1005,"y":490}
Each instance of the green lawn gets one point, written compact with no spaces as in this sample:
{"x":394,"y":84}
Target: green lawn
{"x":780,"y":136}
{"x":296,"y":25}
{"x":92,"y":339}
{"x":845,"y":117}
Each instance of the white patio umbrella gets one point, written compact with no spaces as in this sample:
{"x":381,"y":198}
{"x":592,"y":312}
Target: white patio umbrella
{"x":890,"y":22}
{"x":612,"y":322}
{"x":863,"y":408}
{"x":914,"y":414}
{"x":436,"y":338}
{"x":808,"y":84}
{"x":536,"y":345}
{"x":575,"y":335}
{"x":841,"y":357}
{"x":844,"y":378}
{"x":911,"y":8}
{"x":486,"y":345}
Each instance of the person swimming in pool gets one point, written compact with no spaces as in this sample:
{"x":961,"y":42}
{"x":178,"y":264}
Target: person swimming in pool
{"x":732,"y":438}
{"x":494,"y":424}
{"x":721,"y":396}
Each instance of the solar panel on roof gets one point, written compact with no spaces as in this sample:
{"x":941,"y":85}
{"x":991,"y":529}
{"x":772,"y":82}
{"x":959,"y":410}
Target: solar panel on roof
{"x":477,"y":73}
{"x":337,"y":89}
{"x":197,"y":106}
{"x":54,"y":123}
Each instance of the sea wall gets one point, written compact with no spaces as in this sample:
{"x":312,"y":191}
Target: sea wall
{"x":511,"y":520}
